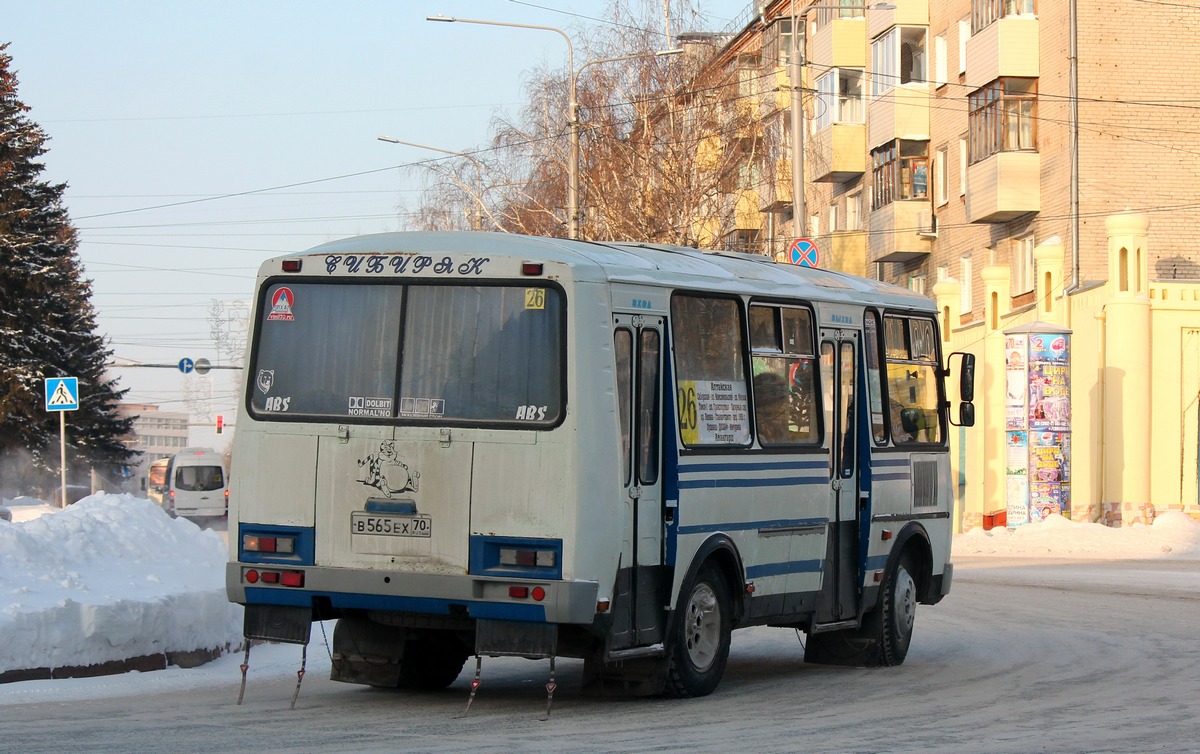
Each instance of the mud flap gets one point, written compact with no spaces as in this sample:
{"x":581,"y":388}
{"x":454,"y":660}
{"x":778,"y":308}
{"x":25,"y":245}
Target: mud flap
{"x":290,"y":625}
{"x":515,"y":638}
{"x":641,"y":676}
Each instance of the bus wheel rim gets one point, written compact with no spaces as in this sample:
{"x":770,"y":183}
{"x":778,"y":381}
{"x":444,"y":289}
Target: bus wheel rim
{"x":702,"y":627}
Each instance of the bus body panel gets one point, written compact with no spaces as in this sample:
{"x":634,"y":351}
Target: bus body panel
{"x":459,"y":520}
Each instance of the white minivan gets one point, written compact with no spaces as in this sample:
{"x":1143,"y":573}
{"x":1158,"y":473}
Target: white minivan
{"x":196,"y":484}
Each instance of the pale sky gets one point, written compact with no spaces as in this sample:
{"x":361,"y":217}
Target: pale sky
{"x":149,"y":104}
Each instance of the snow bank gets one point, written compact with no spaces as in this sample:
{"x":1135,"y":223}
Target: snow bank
{"x":1172,"y":535}
{"x":109,"y":578}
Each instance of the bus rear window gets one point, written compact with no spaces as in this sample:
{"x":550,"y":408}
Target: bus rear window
{"x":424,"y":353}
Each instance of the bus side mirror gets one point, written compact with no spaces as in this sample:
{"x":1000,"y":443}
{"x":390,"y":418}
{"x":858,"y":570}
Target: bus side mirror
{"x":966,"y":376}
{"x":966,"y":415}
{"x":966,"y":387}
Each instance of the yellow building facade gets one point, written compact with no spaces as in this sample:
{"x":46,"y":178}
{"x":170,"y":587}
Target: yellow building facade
{"x":1022,"y":162}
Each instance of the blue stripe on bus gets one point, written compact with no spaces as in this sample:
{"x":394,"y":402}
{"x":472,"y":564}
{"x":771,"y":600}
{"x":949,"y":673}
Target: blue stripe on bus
{"x":876,"y":562}
{"x":881,"y":462}
{"x":780,"y":569}
{"x":699,"y":468}
{"x":787,"y":481}
{"x":428,"y":605}
{"x":781,"y":523}
{"x":892,"y":477}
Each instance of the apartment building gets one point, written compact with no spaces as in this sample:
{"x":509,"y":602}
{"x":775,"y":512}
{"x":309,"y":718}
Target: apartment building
{"x":156,"y":434}
{"x":1030,"y":164}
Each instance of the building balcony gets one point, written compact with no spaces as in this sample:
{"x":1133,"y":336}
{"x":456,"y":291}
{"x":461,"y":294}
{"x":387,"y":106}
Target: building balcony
{"x":841,"y":43}
{"x":1008,"y":47}
{"x":1003,"y":187}
{"x":894,"y":232}
{"x":775,"y":191}
{"x":903,"y":113}
{"x":839,"y":153}
{"x":906,"y":13}
{"x":746,"y":215}
{"x":844,"y":251}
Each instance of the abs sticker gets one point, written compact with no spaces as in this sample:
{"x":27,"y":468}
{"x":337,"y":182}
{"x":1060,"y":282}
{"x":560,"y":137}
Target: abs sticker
{"x":531,"y":413}
{"x":277,"y":403}
{"x":281,"y":305}
{"x":535,"y":298}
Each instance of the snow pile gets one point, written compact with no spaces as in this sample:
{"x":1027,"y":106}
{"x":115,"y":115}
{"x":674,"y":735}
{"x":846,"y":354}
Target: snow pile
{"x":1172,"y":535}
{"x":109,"y":578}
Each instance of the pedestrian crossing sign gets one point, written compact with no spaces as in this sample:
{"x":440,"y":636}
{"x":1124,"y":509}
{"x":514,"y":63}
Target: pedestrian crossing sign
{"x":62,"y":393}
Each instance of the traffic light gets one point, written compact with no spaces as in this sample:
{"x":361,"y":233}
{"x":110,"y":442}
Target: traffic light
{"x":220,"y":424}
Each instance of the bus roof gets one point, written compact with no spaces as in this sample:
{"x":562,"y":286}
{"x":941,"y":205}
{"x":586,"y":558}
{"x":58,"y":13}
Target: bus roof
{"x":642,"y":263}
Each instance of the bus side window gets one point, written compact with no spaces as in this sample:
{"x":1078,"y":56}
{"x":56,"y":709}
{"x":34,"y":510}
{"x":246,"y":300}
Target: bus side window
{"x":647,"y":405}
{"x":623,"y":345}
{"x":912,"y":380}
{"x":874,"y":376}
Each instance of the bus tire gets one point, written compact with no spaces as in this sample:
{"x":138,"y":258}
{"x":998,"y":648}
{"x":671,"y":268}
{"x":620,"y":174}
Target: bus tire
{"x":897,"y":611}
{"x":701,"y":632}
{"x":432,"y":663}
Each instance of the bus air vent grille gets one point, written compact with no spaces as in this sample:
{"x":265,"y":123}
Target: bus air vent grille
{"x":924,"y":477}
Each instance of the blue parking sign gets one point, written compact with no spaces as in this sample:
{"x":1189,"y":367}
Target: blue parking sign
{"x":62,"y":393}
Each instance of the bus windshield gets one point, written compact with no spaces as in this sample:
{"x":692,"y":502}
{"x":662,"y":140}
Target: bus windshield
{"x":420,"y":353}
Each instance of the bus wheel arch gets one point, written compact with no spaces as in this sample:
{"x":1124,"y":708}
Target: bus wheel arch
{"x":699,"y":632}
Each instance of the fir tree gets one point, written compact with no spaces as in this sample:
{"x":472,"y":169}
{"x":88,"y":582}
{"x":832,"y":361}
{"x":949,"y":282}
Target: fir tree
{"x":47,"y":322}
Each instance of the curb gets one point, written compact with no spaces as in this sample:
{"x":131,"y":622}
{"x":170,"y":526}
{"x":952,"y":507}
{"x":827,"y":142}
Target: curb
{"x":143,"y":664}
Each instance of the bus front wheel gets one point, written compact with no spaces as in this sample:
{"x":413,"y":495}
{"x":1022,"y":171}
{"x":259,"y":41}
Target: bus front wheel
{"x":700,"y":641}
{"x":898,"y":612}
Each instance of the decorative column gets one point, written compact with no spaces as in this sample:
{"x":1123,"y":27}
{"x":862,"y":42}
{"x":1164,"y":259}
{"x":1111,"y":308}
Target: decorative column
{"x":1048,"y":261}
{"x":1126,"y":398}
{"x":991,"y":397}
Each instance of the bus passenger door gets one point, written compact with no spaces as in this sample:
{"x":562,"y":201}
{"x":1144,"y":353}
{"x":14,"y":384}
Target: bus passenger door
{"x":839,"y":367}
{"x":637,"y":612}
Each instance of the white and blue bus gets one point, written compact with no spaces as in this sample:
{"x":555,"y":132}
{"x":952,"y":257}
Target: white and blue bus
{"x":480,"y":444}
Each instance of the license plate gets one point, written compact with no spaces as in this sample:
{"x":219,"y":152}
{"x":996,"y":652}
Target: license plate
{"x":391,"y":526}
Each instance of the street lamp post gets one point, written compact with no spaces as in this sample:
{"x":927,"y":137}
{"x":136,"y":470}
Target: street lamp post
{"x":572,"y":122}
{"x":478,"y":218}
{"x":799,"y":42}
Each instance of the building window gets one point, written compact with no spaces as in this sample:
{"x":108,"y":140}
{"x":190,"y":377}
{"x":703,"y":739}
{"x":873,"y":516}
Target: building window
{"x":986,"y":12}
{"x":897,"y":57}
{"x":965,"y":275}
{"x":853,"y":211}
{"x":964,"y":33}
{"x":900,"y":170}
{"x":1022,"y":266}
{"x":962,"y":166}
{"x":827,"y":12}
{"x":840,"y":97}
{"x":941,"y":179}
{"x":1002,"y":118}
{"x":916,"y":284}
{"x":786,"y":48}
{"x":941,"y":64}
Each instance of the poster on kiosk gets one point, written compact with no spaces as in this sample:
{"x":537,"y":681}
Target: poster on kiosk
{"x":1037,"y":417}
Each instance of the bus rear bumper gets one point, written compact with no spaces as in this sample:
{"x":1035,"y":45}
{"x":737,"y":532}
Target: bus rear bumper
{"x":450,"y":595}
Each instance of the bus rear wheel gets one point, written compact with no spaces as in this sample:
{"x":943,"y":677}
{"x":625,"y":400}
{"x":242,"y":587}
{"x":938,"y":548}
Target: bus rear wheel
{"x":432,"y":663}
{"x":700,"y":641}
